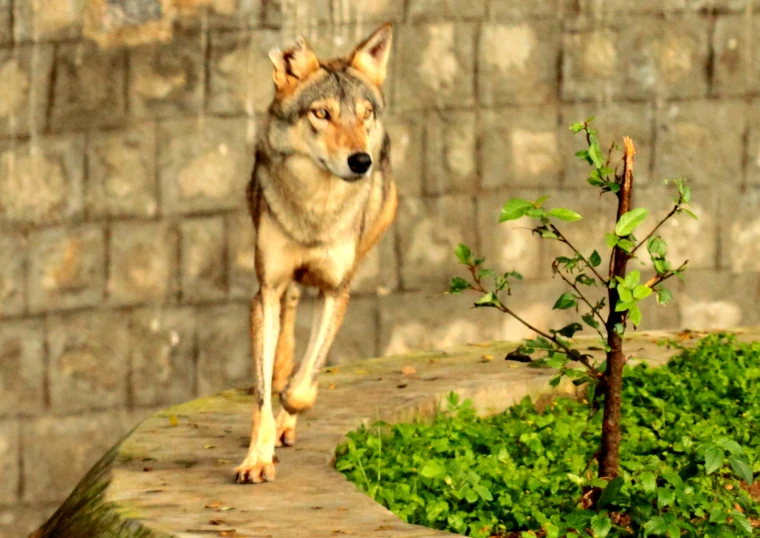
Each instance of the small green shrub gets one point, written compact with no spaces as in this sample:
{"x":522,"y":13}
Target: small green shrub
{"x":691,"y":443}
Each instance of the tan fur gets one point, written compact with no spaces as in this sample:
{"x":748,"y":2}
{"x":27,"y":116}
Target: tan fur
{"x":316,"y":216}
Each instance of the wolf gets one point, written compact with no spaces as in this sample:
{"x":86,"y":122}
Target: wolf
{"x":320,"y":197}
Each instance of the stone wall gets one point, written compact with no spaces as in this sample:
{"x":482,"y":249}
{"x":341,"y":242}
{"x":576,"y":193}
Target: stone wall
{"x":126,"y":129}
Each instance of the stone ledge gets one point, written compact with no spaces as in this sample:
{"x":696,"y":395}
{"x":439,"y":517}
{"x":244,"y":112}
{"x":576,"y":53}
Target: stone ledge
{"x":172,"y":475}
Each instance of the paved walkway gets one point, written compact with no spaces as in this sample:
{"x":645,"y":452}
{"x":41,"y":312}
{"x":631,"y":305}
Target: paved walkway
{"x":173,"y":475}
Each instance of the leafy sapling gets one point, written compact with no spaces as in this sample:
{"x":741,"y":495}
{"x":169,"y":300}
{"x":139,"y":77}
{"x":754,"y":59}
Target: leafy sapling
{"x":608,"y":316}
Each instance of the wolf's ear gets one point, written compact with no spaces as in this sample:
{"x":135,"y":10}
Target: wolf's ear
{"x":293,"y":66}
{"x":371,"y":56}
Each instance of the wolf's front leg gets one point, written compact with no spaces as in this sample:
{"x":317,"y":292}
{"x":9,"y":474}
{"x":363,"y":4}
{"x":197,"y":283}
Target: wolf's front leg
{"x":301,"y":392}
{"x":258,"y":465}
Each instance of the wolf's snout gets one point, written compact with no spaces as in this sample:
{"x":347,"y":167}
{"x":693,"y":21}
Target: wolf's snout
{"x":359,"y":162}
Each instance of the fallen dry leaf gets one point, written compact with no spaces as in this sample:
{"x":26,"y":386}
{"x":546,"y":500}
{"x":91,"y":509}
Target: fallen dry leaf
{"x":173,"y":421}
{"x":332,"y":370}
{"x":486,"y":358}
{"x":215,"y":522}
{"x":475,"y":344}
{"x":214,"y":505}
{"x":331,"y":386}
{"x":207,"y":447}
{"x":408,"y":370}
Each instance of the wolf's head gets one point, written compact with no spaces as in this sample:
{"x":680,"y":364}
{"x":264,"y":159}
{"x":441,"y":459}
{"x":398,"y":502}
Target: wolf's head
{"x":330,"y":110}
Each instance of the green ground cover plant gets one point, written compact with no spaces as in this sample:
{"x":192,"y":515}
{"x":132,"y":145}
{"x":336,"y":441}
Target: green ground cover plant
{"x":690,"y":446}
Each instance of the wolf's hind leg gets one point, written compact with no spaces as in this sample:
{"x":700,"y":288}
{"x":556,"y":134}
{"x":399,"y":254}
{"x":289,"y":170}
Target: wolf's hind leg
{"x":258,"y":465}
{"x":283,"y":358}
{"x":301,"y":392}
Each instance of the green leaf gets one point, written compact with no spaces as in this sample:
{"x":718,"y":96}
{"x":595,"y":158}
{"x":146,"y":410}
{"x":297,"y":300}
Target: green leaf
{"x":589,"y":320}
{"x":742,"y":522}
{"x":626,"y":245}
{"x":611,"y":492}
{"x":656,"y":525}
{"x":713,"y":459}
{"x":642,"y":292}
{"x":535,"y":213}
{"x":741,"y":468}
{"x":514,"y":209}
{"x":665,"y":497}
{"x":540,"y":201}
{"x":577,"y":127}
{"x":634,"y":314}
{"x":433,"y":469}
{"x":625,"y":295}
{"x":595,"y":152}
{"x":565,"y":214}
{"x":601,"y":525}
{"x":552,"y":531}
{"x":569,"y":330}
{"x":595,"y":260}
{"x":657,"y":247}
{"x":484,"y":492}
{"x":489,"y":299}
{"x":663,"y":295}
{"x":458,"y":284}
{"x":647,"y":482}
{"x":631,"y":279}
{"x":612,"y":240}
{"x":729,"y":445}
{"x":464,"y":254}
{"x":565,"y":301}
{"x":629,"y":221}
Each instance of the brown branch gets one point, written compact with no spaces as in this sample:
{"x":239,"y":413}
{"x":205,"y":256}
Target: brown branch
{"x":583,"y":359}
{"x":658,"y":279}
{"x":564,"y":240}
{"x":663,"y":221}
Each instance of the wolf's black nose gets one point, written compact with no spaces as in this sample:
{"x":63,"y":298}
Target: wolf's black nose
{"x":359,"y":162}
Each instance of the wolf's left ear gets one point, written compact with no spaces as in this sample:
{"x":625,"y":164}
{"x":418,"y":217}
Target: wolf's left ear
{"x":371,"y":56}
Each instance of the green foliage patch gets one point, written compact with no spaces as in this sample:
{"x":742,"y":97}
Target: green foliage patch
{"x":691,"y":444}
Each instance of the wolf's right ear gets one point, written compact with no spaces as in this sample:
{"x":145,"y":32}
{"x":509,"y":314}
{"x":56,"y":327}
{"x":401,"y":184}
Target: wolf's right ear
{"x":293,"y":66}
{"x":371,"y":56}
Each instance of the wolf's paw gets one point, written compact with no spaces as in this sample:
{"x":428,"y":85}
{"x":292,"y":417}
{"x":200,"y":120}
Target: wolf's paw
{"x":286,"y":429}
{"x":255,"y":472}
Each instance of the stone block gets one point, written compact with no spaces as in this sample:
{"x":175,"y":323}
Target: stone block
{"x":519,"y":147}
{"x":241,"y":239}
{"x":687,"y":238}
{"x":434,"y":66}
{"x":40,"y":20}
{"x":6,"y":22}
{"x":224,"y":348}
{"x":740,"y":231}
{"x":203,"y":166}
{"x":142,"y":262}
{"x":220,"y":13}
{"x":23,"y":519}
{"x":753,"y":149}
{"x":629,"y":58}
{"x":518,"y":63}
{"x":520,"y":10}
{"x":118,"y":23}
{"x":24,"y":85}
{"x":22,"y":367}
{"x":406,"y":133}
{"x":240,"y":72}
{"x":9,"y":458}
{"x":67,"y":267}
{"x":203,"y":271}
{"x":718,"y":300}
{"x":162,"y":355}
{"x":687,"y":145}
{"x":356,"y":338}
{"x":13,"y":256}
{"x":121,"y":177}
{"x":429,"y":231}
{"x":378,"y":271}
{"x":446,"y":9}
{"x":611,"y":8}
{"x":613,"y":121}
{"x":451,"y":154}
{"x":88,"y":360}
{"x":364,"y":13}
{"x":735,"y":39}
{"x":509,"y":246}
{"x":297,"y":16}
{"x":89,"y":87}
{"x":41,"y":182}
{"x":167,"y":79}
{"x":79,"y":441}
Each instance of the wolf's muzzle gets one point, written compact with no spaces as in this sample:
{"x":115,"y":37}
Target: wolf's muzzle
{"x":359,"y":162}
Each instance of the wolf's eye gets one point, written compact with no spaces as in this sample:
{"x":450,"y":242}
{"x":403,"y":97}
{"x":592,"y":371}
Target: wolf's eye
{"x":321,"y":113}
{"x":368,"y":112}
